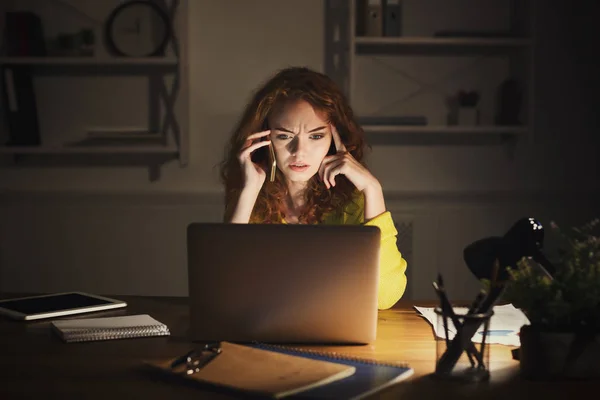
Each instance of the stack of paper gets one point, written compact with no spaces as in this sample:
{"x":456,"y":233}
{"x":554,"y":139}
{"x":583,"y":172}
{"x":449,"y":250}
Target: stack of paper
{"x":504,"y":326}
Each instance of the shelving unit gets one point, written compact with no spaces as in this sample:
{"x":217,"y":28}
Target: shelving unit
{"x":343,"y":46}
{"x":167,"y":149}
{"x":61,"y":65}
{"x":440,"y":41}
{"x":165,"y":141}
{"x":77,"y":61}
{"x":450,"y":130}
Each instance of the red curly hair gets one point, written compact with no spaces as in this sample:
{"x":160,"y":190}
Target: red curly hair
{"x":321,"y":92}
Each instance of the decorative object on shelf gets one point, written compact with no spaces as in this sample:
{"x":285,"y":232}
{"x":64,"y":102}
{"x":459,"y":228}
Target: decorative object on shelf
{"x":401,"y":120}
{"x":563,"y":340}
{"x":138,"y":28}
{"x":79,"y":44}
{"x":510,"y":98}
{"x":458,"y":358}
{"x":88,"y":40}
{"x":467,"y":112}
{"x":24,"y":35}
{"x":474,"y":34}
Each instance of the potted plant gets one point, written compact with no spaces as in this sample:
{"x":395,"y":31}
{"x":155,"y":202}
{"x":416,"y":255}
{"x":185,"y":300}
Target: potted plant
{"x":563,"y":338}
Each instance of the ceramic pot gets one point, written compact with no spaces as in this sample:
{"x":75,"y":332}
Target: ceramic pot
{"x":549,"y":355}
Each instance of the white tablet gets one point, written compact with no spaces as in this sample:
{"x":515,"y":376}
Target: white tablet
{"x":56,"y":305}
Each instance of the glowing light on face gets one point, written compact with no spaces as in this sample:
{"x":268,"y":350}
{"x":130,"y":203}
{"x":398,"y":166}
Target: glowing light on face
{"x":301,"y":139}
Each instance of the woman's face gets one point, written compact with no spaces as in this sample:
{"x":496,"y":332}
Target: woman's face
{"x":301,"y":139}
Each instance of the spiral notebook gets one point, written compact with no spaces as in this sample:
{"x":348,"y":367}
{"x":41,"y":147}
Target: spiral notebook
{"x":124,"y":327}
{"x":370,"y":376}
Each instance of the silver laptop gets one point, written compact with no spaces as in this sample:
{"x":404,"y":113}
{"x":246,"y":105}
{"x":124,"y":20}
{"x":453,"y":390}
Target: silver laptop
{"x":283,"y":283}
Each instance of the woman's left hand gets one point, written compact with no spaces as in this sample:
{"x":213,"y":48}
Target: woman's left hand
{"x":343,"y":163}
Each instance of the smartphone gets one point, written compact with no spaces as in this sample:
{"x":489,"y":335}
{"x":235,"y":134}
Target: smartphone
{"x":259,"y":154}
{"x":332,"y":149}
{"x":272,"y":161}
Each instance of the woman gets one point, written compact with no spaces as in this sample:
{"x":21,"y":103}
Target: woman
{"x":300,"y":130}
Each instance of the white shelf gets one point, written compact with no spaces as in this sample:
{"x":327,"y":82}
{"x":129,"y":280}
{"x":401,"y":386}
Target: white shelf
{"x":88,"y":149}
{"x":446,"y":130}
{"x":431,"y":46}
{"x":88,"y":61}
{"x":346,"y":50}
{"x":442,"y":41}
{"x":168,"y":88}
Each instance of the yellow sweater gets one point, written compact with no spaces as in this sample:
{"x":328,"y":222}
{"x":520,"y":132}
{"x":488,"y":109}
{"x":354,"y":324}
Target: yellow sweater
{"x":392,"y":267}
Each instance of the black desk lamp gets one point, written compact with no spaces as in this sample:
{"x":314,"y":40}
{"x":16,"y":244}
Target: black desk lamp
{"x":524,"y":239}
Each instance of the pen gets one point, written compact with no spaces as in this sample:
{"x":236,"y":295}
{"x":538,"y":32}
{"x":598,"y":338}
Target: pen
{"x":469,"y":328}
{"x":466,"y":344}
{"x":495,"y":269}
{"x":476,"y":302}
{"x":273,"y":163}
{"x":443,"y":309}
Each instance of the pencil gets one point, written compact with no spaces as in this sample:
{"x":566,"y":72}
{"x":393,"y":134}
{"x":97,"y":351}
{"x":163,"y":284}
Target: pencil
{"x":273,"y":163}
{"x":495,"y":269}
{"x":443,"y":310}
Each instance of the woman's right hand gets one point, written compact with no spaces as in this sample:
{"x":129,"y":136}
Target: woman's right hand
{"x":254,"y":175}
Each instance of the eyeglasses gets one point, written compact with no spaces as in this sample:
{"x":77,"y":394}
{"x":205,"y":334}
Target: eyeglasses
{"x":194,"y":360}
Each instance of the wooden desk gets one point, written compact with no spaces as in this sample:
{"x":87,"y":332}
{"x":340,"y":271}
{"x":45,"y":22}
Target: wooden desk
{"x":34,"y":362}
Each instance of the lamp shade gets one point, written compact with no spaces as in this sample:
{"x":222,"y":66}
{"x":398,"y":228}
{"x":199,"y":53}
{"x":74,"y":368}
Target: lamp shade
{"x":524,"y":239}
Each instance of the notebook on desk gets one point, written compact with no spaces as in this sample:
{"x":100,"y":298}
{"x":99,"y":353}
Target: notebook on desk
{"x":370,"y":376}
{"x":284,"y":372}
{"x":109,"y":328}
{"x":255,"y":371}
{"x":288,"y":283}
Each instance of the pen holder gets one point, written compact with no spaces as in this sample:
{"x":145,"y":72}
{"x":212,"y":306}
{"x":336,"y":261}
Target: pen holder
{"x":461,"y":355}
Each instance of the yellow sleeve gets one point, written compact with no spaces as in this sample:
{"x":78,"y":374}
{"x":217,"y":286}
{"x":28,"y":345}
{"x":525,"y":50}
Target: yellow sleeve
{"x":392,"y":267}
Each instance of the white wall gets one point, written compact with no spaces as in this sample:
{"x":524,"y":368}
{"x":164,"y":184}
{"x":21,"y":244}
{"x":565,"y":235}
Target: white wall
{"x":233,"y":47}
{"x":110,"y":230}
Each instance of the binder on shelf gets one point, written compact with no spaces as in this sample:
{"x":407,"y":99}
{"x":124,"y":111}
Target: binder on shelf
{"x":392,"y":18}
{"x":21,"y":108}
{"x":360,"y":20}
{"x":24,"y":34}
{"x":374,"y":18}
